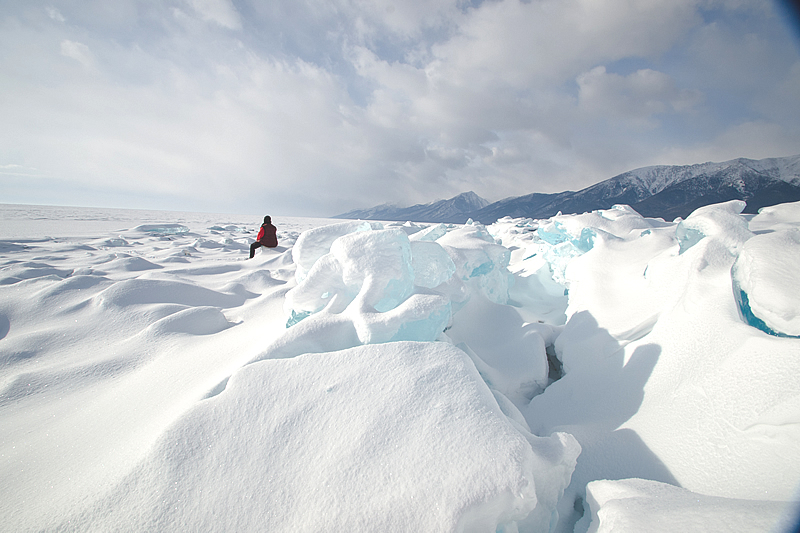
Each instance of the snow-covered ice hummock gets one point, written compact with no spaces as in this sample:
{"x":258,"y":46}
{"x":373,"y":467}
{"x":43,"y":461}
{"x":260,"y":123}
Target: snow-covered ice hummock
{"x":362,"y":284}
{"x":395,"y":437}
{"x":678,"y":360}
{"x":645,"y":505}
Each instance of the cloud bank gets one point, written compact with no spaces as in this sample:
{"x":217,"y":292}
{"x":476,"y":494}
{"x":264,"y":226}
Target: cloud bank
{"x":310,"y":107}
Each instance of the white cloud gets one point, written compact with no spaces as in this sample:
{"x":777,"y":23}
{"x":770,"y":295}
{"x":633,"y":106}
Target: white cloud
{"x":527,"y":44}
{"x":753,"y":140}
{"x":498,"y":76}
{"x":404,"y":19}
{"x":221,"y":12}
{"x":18,"y":170}
{"x":637,"y":96}
{"x":79,"y":52}
{"x":321,"y":106}
{"x":778,"y":102}
{"x":55,"y":14}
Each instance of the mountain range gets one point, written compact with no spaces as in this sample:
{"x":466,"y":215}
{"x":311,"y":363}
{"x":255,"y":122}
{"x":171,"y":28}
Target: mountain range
{"x":661,"y":191}
{"x":455,"y":210}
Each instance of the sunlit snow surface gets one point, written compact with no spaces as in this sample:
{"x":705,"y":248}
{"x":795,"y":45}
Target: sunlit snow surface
{"x":399,"y":377}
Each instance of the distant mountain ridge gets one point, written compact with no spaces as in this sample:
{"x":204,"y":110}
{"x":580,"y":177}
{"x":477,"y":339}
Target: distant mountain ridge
{"x":665,"y":191}
{"x":456,"y":210}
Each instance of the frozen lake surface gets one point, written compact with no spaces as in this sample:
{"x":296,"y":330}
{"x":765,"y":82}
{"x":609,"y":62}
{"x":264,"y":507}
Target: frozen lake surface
{"x":594,"y":372}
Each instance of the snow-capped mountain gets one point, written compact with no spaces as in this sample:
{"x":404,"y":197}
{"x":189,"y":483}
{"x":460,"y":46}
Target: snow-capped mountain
{"x":665,"y":191}
{"x":455,"y":210}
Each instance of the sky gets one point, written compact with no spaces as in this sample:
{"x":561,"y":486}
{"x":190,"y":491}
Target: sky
{"x":316,"y":107}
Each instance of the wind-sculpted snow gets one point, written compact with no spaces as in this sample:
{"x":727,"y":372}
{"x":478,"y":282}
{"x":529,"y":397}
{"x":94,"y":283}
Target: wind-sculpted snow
{"x":315,"y":243}
{"x":644,"y":505}
{"x":720,"y":221}
{"x":397,"y":437}
{"x":368,"y":276}
{"x":149,"y":291}
{"x":402,"y":377}
{"x":655,"y":329}
{"x":194,"y":321}
{"x":392,"y":288}
{"x":767,"y":281}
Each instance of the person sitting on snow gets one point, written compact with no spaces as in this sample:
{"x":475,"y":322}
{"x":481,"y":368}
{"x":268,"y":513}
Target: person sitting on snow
{"x":267,"y":236}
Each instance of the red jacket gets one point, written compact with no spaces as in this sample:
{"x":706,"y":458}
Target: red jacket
{"x":268,"y":235}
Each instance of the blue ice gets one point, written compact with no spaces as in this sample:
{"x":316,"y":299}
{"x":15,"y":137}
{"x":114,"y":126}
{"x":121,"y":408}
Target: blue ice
{"x":687,"y":237}
{"x":750,"y":318}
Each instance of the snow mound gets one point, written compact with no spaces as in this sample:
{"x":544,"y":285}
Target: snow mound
{"x":131,"y":264}
{"x":150,"y":291}
{"x":721,"y":221}
{"x":30,"y":270}
{"x":346,"y":441}
{"x":767,"y":282}
{"x":644,"y":505}
{"x":194,"y":321}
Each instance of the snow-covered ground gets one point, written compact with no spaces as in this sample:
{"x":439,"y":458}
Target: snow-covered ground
{"x":599,"y":372}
